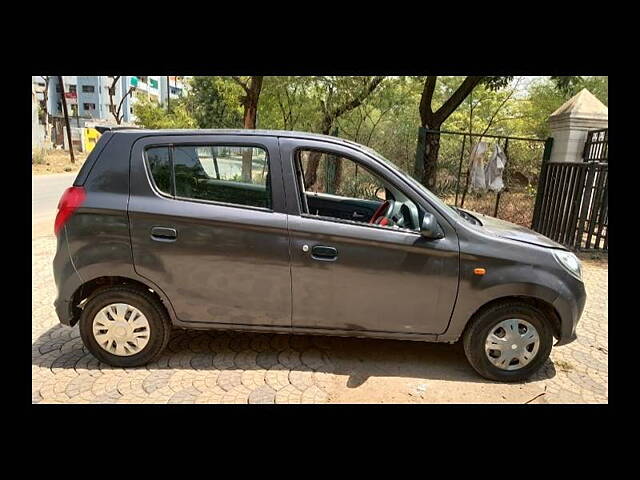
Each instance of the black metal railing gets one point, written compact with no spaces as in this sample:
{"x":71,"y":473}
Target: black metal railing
{"x":573,"y":204}
{"x":596,"y":147}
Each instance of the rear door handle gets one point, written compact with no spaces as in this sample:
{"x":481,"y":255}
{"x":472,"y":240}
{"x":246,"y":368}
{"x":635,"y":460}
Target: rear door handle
{"x":164,"y":234}
{"x":320,"y":252}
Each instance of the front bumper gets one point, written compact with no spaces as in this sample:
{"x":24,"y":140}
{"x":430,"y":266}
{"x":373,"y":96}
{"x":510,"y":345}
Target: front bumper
{"x":570,"y":305}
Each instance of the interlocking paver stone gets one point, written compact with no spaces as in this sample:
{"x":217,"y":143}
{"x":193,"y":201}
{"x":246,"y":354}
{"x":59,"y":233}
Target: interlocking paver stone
{"x":233,"y":367}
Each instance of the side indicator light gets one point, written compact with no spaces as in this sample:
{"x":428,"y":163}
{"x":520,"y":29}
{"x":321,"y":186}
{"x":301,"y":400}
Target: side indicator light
{"x":479,"y":271}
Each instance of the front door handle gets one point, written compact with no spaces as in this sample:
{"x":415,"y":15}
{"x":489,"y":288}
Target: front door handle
{"x":320,"y":252}
{"x":164,"y":234}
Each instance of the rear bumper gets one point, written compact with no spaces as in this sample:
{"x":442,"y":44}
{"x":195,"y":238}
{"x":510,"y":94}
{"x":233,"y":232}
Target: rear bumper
{"x":63,"y":311}
{"x":570,"y":305}
{"x":67,"y":281}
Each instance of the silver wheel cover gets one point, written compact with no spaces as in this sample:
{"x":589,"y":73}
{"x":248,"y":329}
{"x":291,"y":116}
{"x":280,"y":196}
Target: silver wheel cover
{"x":121,"y":329}
{"x":512,"y":344}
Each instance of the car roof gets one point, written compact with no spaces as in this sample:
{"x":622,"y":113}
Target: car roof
{"x":238,"y":131}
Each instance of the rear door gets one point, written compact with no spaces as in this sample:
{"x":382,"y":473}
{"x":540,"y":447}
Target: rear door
{"x":208,"y":227}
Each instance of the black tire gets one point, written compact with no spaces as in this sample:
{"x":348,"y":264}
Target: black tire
{"x":480,"y":326}
{"x":150,"y":306}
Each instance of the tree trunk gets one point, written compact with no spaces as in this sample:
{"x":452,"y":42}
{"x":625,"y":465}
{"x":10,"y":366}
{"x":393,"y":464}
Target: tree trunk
{"x":430,"y":160}
{"x":247,"y":162}
{"x":433,"y":121}
{"x":66,"y":118}
{"x":250,"y":117}
{"x":311,"y":174}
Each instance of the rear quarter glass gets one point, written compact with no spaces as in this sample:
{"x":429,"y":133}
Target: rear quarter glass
{"x":88,"y":164}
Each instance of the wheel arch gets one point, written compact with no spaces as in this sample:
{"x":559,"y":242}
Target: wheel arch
{"x":551,"y":314}
{"x":85,"y":290}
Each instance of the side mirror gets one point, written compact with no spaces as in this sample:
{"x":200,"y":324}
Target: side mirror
{"x":430,"y":227}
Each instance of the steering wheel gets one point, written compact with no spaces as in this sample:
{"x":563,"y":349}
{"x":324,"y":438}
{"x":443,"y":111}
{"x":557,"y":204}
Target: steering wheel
{"x":379,"y":215}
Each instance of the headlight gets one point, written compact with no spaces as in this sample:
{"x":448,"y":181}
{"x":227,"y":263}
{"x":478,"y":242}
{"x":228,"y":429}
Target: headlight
{"x":570,"y":262}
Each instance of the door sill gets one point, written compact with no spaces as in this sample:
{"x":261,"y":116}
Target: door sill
{"x":286,"y":329}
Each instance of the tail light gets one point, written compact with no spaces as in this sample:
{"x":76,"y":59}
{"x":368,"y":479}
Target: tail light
{"x":71,"y":199}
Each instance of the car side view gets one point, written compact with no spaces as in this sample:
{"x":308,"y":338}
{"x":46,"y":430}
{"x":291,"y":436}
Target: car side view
{"x":296,"y":233}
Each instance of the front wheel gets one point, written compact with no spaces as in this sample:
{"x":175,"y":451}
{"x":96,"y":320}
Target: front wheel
{"x":508,"y":342}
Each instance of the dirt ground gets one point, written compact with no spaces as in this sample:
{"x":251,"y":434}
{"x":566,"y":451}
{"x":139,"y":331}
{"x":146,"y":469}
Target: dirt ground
{"x":57,"y":161}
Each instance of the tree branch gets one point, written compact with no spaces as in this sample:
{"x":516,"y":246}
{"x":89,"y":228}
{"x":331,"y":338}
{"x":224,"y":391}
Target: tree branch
{"x":131,"y":89}
{"x":499,"y":108}
{"x":241,"y":83}
{"x":358,"y":99}
{"x":456,"y":99}
{"x":426,"y":112}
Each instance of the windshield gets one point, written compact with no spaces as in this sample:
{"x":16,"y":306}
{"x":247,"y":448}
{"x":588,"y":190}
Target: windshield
{"x":434,"y":198}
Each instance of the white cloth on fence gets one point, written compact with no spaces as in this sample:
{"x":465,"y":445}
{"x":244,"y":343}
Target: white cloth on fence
{"x":494,"y":170}
{"x":477,"y":179}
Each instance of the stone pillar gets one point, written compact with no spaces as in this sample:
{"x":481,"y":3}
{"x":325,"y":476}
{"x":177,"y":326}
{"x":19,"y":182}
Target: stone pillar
{"x":570,"y":123}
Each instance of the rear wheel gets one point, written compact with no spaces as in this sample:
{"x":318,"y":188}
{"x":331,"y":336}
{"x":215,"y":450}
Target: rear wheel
{"x":124,"y":326}
{"x":508,"y":342}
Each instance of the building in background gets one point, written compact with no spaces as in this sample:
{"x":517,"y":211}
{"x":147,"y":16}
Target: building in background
{"x":88,"y":98}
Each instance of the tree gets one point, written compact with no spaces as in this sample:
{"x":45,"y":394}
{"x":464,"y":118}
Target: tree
{"x":66,"y":118}
{"x":545,"y":95}
{"x":567,"y":84}
{"x":117,"y":110}
{"x":286,"y":103}
{"x":427,"y":158}
{"x":213,"y":102}
{"x":343,"y":94}
{"x":149,"y":114}
{"x":252,"y":87}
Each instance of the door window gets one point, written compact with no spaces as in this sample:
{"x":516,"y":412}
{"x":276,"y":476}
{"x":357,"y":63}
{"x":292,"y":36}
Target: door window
{"x":218,"y":173}
{"x":339,"y":188}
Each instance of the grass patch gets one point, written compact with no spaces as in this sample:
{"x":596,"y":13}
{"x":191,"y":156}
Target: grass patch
{"x":48,"y":161}
{"x":38,"y":157}
{"x":563,"y":365}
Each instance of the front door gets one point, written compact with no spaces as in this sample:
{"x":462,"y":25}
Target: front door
{"x":376,"y":275}
{"x":207,"y":227}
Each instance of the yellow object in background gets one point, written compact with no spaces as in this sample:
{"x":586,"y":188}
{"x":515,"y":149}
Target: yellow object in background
{"x":91,"y":136}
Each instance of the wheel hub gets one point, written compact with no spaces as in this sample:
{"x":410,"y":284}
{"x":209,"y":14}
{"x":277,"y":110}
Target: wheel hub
{"x":121,"y":329}
{"x":511,"y":344}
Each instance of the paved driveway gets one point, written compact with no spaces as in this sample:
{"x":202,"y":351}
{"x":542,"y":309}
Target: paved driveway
{"x":205,"y":367}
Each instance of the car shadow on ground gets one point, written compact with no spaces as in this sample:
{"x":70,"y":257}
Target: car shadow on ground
{"x":359,"y":359}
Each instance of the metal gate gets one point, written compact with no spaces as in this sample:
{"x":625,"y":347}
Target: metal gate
{"x":572,"y":203}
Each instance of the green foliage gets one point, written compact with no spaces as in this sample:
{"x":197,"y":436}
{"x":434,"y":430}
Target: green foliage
{"x":545,"y":96}
{"x":567,"y":84}
{"x":286,"y":104}
{"x":496,"y":83}
{"x":214,"y":102}
{"x":151,"y":115}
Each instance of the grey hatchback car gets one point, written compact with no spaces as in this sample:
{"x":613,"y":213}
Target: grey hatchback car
{"x":296,"y":233}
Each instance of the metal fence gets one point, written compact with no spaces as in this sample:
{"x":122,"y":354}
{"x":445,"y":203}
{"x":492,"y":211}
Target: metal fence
{"x":515,"y":203}
{"x":573,"y":204}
